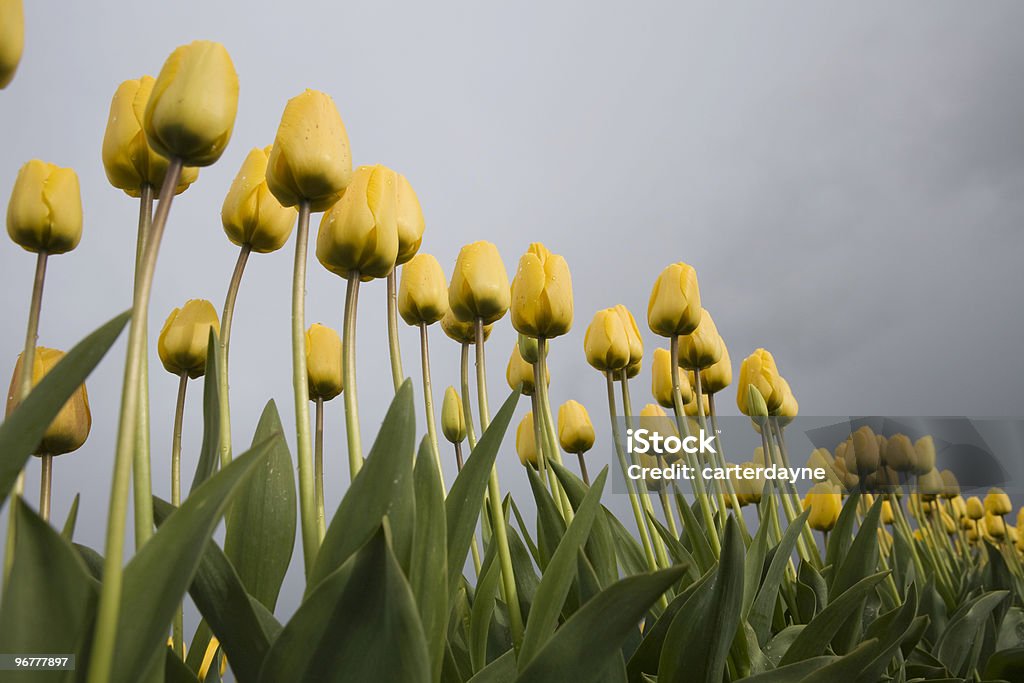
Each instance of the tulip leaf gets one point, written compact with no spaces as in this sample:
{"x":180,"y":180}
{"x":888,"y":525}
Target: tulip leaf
{"x":524,"y":530}
{"x":679,"y":553}
{"x":860,"y":560}
{"x":847,"y":667}
{"x":761,"y":610}
{"x":523,"y":571}
{"x":956,"y":642}
{"x":791,"y":672}
{"x":466,"y":495}
{"x":589,"y":641}
{"x":501,"y":670}
{"x":373,"y":491}
{"x":558,"y":577}
{"x":550,"y":525}
{"x":428,"y":575}
{"x":841,"y":536}
{"x":359,"y":624}
{"x":753,"y":565}
{"x":68,"y":531}
{"x":630,"y":554}
{"x":209,"y":451}
{"x":483,"y":608}
{"x":24,"y":428}
{"x":708,"y":622}
{"x":176,"y":671}
{"x":600,"y":548}
{"x":162,"y":570}
{"x":260,"y":532}
{"x":1007,"y":665}
{"x":701,"y":548}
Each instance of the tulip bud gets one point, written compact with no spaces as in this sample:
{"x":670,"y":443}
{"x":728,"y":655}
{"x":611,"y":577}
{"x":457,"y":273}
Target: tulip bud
{"x":191,"y":111}
{"x":820,"y":458}
{"x":453,"y":420}
{"x":701,"y":348}
{"x":755,"y":406}
{"x":323,"y":362}
{"x":789,"y":408}
{"x":185,"y":337}
{"x":759,"y":370}
{"x":479,"y":287}
{"x":950,"y":485}
{"x":973,"y":535}
{"x":70,"y":428}
{"x":995,"y":527}
{"x":825,"y":504}
{"x":542,"y":294}
{"x":648,"y":463}
{"x":636,"y":342}
{"x":924,"y":450}
{"x":423,"y":291}
{"x":959,"y":506}
{"x":997,"y":502}
{"x":899,"y":453}
{"x":717,"y":376}
{"x":12,"y":39}
{"x":410,"y":221}
{"x":865,"y":451}
{"x":360,"y":232}
{"x":690,"y":408}
{"x":129,"y":161}
{"x":462,"y":332}
{"x":930,"y":484}
{"x":885,"y":541}
{"x":251,"y":214}
{"x":661,"y":380}
{"x":887,"y":514}
{"x":633,"y":369}
{"x":752,"y":488}
{"x":606,"y":343}
{"x":526,"y":441}
{"x":948,"y":523}
{"x":310,"y":160}
{"x":519,"y":372}
{"x":674,"y":306}
{"x":529,"y":349}
{"x":575,"y":430}
{"x":975,"y":508}
{"x":45,"y":209}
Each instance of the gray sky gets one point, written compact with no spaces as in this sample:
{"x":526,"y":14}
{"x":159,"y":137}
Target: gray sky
{"x":847,"y":179}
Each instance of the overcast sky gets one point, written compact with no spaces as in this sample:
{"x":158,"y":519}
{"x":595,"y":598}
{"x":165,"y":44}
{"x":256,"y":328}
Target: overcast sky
{"x":847,"y":179}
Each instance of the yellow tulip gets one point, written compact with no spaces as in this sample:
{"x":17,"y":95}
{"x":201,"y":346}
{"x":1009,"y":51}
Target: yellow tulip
{"x":661,"y":380}
{"x":825,"y":504}
{"x":519,"y":372}
{"x":717,"y":376}
{"x":606,"y":342}
{"x":924,"y":451}
{"x":864,"y":452}
{"x":251,"y":214}
{"x":453,"y":420}
{"x":360,"y":232}
{"x":959,"y":506}
{"x":789,"y":408}
{"x":674,"y":306}
{"x":542,"y":294}
{"x":129,"y":161}
{"x":191,"y":111}
{"x":900,"y":454}
{"x":45,"y":209}
{"x":183,"y":341}
{"x":310,"y":160}
{"x":997,"y":502}
{"x":975,"y":508}
{"x":575,"y":430}
{"x":526,"y":441}
{"x":423,"y":292}
{"x":633,"y":369}
{"x":995,"y":527}
{"x":1020,"y":518}
{"x":636,"y":342}
{"x":479,"y":287}
{"x":529,"y":349}
{"x":70,"y":428}
{"x":701,"y":348}
{"x":410,"y":221}
{"x":650,"y":462}
{"x":930,"y":484}
{"x":691,"y":407}
{"x":12,"y":39}
{"x":462,"y":332}
{"x":323,"y":362}
{"x":887,"y":514}
{"x":752,"y":488}
{"x":759,"y":371}
{"x":950,"y":485}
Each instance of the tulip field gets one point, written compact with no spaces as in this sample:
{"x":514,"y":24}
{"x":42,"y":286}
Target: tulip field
{"x":879,"y":569}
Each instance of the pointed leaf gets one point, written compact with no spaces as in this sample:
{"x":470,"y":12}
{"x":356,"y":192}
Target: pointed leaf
{"x":209,"y":451}
{"x":429,"y":571}
{"x":68,"y":530}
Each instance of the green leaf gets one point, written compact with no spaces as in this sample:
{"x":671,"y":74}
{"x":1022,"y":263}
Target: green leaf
{"x":429,"y":570}
{"x":466,"y":496}
{"x":176,"y":671}
{"x":1007,"y":665}
{"x":846,"y":668}
{"x":358,"y":625}
{"x":841,"y":537}
{"x":483,"y":608}
{"x":679,"y":553}
{"x":550,"y":524}
{"x":600,"y":547}
{"x":753,"y":565}
{"x":373,"y":491}
{"x":161,"y":571}
{"x":695,"y":532}
{"x":260,"y":533}
{"x":964,"y":628}
{"x":68,"y":531}
{"x":790,"y":672}
{"x":524,"y":530}
{"x":589,"y":641}
{"x":23,"y":429}
{"x":523,"y":570}
{"x":627,"y":548}
{"x":861,"y":560}
{"x":708,"y":622}
{"x":209,"y":451}
{"x":501,"y":670}
{"x":557,"y":579}
{"x":761,"y":610}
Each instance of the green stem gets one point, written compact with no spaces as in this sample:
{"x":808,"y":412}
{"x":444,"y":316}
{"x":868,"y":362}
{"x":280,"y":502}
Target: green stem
{"x":467,"y":403}
{"x":177,"y":627}
{"x":395,"y":349}
{"x":721,"y":463}
{"x":783,"y":460}
{"x":645,"y":494}
{"x":540,"y":438}
{"x":787,"y":502}
{"x":142,"y":479}
{"x":226,"y":319}
{"x":318,"y":470}
{"x":474,"y":547}
{"x":428,"y":402}
{"x":550,"y":433}
{"x":104,"y":641}
{"x":45,"y":486}
{"x":348,"y":366}
{"x":300,"y":387}
{"x":713,"y":457}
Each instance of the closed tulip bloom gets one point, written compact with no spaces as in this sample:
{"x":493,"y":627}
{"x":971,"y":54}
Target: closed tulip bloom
{"x":691,"y":407}
{"x":759,"y":370}
{"x":930,"y":484}
{"x":526,"y":441}
{"x":789,"y":408}
{"x":191,"y":111}
{"x":45,"y":209}
{"x":661,"y":380}
{"x":865,"y":451}
{"x":899,"y":453}
{"x":820,"y":458}
{"x":959,"y":506}
{"x":674,"y":306}
{"x":887,"y":515}
{"x":575,"y":430}
{"x":701,"y":348}
{"x":606,"y":342}
{"x":310,"y":160}
{"x":756,"y":407}
{"x":251,"y":214}
{"x":479,"y":287}
{"x":410,"y":221}
{"x":323,"y":362}
{"x":997,"y":502}
{"x":633,"y":369}
{"x":423,"y":292}
{"x":542,"y":294}
{"x":1020,"y":518}
{"x":183,"y":341}
{"x":924,"y":451}
{"x":453,"y":420}
{"x":753,"y":488}
{"x":462,"y":332}
{"x":975,"y":508}
{"x":825,"y":504}
{"x":360,"y":232}
{"x":129,"y":161}
{"x":636,"y":342}
{"x":12,"y":39}
{"x":717,"y":376}
{"x":519,"y":372}
{"x":950,"y":485}
{"x":995,"y":527}
{"x":529,"y":349}
{"x":70,"y":428}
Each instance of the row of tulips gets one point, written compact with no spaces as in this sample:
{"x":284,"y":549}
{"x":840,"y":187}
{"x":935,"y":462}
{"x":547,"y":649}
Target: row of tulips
{"x":693,"y":593}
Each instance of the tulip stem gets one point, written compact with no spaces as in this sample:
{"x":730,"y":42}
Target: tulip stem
{"x":776,"y":428}
{"x":540,"y":439}
{"x":458,"y":455}
{"x":722,"y":462}
{"x":473,"y":547}
{"x":428,"y":401}
{"x":348,"y":366}
{"x":318,"y":467}
{"x":645,"y":497}
{"x":226,"y":318}
{"x":394,"y":348}
{"x":712,"y":459}
{"x":551,"y":438}
{"x":142,"y":478}
{"x":583,"y":469}
{"x":45,"y":485}
{"x":467,"y":403}
{"x":300,"y":386}
{"x":498,"y":530}
{"x":177,"y":627}
{"x":101,"y":661}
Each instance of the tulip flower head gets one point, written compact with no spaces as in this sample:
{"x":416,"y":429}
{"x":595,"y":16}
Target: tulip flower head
{"x":542,"y":294}
{"x":607,"y":342}
{"x":718,"y":375}
{"x":759,"y":371}
{"x":360,"y":232}
{"x":323,"y":362}
{"x":701,"y":348}
{"x":924,"y":451}
{"x":526,"y":441}
{"x":410,"y":222}
{"x":661,"y":380}
{"x":900,"y":454}
{"x":423,"y":291}
{"x":457,"y":330}
{"x":71,"y":427}
{"x":479,"y":288}
{"x":251,"y":214}
{"x":575,"y":430}
{"x":636,"y":342}
{"x":520,"y":374}
{"x":453,"y":419}
{"x":674,"y":306}
{"x":12,"y":39}
{"x":45,"y":209}
{"x":184,"y":339}
{"x":825,"y":504}
{"x":997,"y":503}
{"x":529,"y":349}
